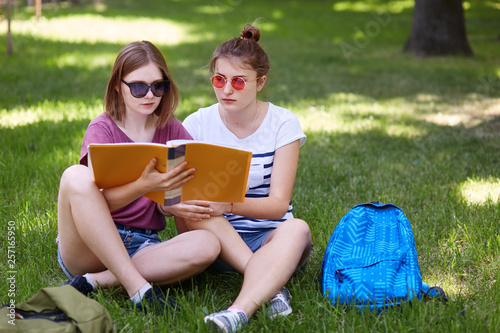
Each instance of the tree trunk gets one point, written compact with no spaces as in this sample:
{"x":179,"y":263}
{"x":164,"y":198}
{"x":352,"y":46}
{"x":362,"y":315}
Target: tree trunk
{"x":9,"y":35}
{"x":38,"y":9}
{"x":438,"y":29}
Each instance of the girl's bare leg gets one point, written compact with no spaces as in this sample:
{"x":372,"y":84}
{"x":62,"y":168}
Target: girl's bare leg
{"x":270,"y":267}
{"x":234,"y":251}
{"x":267,"y":270}
{"x":172,"y":261}
{"x":88,"y":238}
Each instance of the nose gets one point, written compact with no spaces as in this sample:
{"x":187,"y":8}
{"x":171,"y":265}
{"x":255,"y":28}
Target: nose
{"x":228,"y":88}
{"x":150,"y":94}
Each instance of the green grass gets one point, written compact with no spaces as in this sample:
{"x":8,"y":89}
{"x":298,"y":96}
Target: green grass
{"x":381,"y":125}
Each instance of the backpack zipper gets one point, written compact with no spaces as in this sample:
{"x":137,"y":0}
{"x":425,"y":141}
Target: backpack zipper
{"x":337,"y":273}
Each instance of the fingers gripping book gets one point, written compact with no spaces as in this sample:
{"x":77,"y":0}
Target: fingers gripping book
{"x":221,"y":173}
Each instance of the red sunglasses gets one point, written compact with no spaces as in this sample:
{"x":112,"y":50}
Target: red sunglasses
{"x":238,"y":83}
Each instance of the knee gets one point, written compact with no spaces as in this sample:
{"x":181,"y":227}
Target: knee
{"x":76,"y":178}
{"x":299,"y":229}
{"x":207,"y":247}
{"x":205,"y":224}
{"x":302,"y":228}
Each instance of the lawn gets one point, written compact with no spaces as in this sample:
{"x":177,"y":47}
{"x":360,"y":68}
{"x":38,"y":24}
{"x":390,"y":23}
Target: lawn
{"x":423,"y":134}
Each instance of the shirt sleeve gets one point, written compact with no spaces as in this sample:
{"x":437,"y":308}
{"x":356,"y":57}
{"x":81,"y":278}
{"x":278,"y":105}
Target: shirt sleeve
{"x":96,"y":133}
{"x":193,"y":126}
{"x":289,"y":131}
{"x":178,"y":132}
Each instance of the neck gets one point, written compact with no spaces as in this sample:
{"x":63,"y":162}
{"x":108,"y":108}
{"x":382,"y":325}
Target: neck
{"x":138,"y":128}
{"x":137,"y":122}
{"x":241,"y":117}
{"x":242,"y":123}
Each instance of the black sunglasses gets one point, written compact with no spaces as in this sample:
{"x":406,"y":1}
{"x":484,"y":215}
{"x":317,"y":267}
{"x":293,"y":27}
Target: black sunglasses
{"x":141,"y":89}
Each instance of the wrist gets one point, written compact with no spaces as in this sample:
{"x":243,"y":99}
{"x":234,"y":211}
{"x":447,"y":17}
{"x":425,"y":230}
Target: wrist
{"x":141,"y":186}
{"x":163,"y":211}
{"x":231,"y":208}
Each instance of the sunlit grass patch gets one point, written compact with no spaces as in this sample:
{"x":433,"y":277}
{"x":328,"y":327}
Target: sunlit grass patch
{"x":472,"y":111}
{"x":83,"y":61}
{"x":366,"y":6}
{"x":356,"y":113}
{"x":93,"y":28}
{"x":422,"y":134}
{"x":70,"y":111}
{"x":478,"y":192}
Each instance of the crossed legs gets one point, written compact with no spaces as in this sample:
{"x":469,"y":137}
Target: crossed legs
{"x":268,"y":269}
{"x":89,"y":241}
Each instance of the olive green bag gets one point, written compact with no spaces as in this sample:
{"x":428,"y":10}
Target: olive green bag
{"x":56,"y":309}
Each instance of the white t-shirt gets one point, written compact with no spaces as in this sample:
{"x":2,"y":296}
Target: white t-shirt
{"x":279,"y":128}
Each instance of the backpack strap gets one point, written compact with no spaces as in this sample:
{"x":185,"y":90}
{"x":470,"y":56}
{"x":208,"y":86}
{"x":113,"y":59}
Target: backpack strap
{"x":438,"y":292}
{"x":377,"y":203}
{"x":434,"y":292}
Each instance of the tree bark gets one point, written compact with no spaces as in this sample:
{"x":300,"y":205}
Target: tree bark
{"x":9,"y":34}
{"x":438,"y":29}
{"x":38,"y":9}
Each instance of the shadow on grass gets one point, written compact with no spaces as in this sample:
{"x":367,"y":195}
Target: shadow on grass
{"x":33,"y":157}
{"x":422,"y":175}
{"x":336,"y":171}
{"x":303,"y":52}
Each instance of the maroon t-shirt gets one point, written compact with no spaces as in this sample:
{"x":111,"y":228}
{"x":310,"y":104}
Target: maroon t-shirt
{"x":141,"y":213}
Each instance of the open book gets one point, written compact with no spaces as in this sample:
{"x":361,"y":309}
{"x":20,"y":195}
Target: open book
{"x":221,"y":173}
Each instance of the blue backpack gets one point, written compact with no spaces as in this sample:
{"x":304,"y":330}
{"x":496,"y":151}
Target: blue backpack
{"x":371,"y":260}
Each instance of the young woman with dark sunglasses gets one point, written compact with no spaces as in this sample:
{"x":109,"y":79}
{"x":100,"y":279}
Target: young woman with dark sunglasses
{"x":259,"y":238}
{"x":110,"y":237}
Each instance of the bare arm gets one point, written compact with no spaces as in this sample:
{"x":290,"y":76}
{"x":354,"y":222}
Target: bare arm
{"x":282,"y":180}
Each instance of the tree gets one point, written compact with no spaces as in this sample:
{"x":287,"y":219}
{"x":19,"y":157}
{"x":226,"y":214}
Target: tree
{"x":438,"y":29}
{"x":9,"y":34}
{"x":38,"y":9}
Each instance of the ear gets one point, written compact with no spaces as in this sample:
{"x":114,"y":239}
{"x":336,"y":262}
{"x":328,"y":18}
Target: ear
{"x":261,"y":82}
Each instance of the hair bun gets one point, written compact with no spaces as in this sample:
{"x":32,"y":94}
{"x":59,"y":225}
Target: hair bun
{"x":250,"y":32}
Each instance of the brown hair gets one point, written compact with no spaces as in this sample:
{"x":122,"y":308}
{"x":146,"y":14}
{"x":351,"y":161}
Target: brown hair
{"x":245,"y":48}
{"x":130,"y":58}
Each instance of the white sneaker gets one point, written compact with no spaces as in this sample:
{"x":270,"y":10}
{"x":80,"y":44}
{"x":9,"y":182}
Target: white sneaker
{"x":226,"y":321}
{"x":279,"y":305}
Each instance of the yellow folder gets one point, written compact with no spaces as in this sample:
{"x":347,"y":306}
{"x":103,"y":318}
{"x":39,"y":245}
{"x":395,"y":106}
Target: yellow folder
{"x":221,"y":173}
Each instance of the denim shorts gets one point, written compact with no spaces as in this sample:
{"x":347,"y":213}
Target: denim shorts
{"x":134,"y":239}
{"x":254,"y":240}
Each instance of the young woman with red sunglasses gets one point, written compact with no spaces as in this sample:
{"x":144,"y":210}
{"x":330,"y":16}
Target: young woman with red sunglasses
{"x":259,"y":238}
{"x":110,"y":237}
